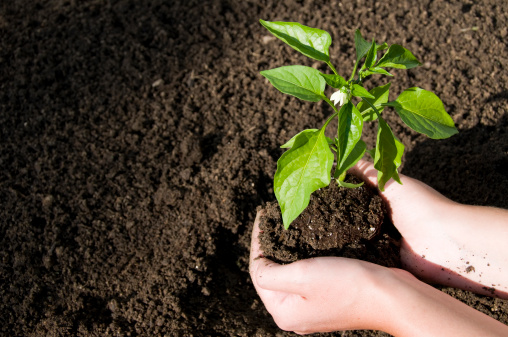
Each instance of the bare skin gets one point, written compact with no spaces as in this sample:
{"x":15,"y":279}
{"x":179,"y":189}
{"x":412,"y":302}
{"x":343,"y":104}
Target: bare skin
{"x":333,"y":293}
{"x":446,"y":242}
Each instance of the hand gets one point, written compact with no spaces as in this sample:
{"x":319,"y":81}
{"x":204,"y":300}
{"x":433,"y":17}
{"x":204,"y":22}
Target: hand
{"x":320,"y":294}
{"x":332,"y":293}
{"x":445,"y":242}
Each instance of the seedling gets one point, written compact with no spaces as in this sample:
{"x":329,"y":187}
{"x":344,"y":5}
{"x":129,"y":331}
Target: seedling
{"x":307,"y":165}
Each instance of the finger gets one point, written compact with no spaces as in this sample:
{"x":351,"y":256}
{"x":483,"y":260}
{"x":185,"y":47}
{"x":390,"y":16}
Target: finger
{"x":365,"y":170}
{"x":255,"y":250}
{"x":256,"y":260}
{"x":267,"y":274}
{"x":291,"y":278}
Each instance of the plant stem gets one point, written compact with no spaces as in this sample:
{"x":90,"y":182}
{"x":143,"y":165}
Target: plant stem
{"x":373,"y":107}
{"x":354,"y":71}
{"x":327,"y":100}
{"x":332,"y":67}
{"x":360,"y":77}
{"x":336,"y":113}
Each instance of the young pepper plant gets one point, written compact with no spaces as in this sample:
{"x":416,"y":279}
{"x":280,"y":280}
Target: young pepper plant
{"x":306,"y":165}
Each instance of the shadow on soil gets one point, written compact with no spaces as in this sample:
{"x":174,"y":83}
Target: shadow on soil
{"x":470,"y":167}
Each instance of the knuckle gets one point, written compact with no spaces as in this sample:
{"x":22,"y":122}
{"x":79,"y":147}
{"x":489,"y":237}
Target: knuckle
{"x":301,"y":268}
{"x":286,"y":324}
{"x":262,"y":280}
{"x":262,"y":274}
{"x":288,"y":317}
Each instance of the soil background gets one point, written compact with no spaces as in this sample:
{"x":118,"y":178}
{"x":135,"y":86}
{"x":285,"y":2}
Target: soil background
{"x":137,"y":139}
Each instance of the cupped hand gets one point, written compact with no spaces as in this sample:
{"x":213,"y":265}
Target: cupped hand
{"x":421,"y":215}
{"x":331,"y":293}
{"x":417,"y":210}
{"x":319,"y":294}
{"x":443,"y":241}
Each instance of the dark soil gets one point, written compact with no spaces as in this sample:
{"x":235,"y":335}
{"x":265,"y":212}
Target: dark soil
{"x":338,"y":222}
{"x":137,"y":139}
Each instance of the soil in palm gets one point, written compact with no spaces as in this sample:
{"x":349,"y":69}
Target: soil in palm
{"x":339,"y":221}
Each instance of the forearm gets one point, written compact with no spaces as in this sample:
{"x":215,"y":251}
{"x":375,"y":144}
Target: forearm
{"x":469,"y":251}
{"x":417,"y":309}
{"x":483,"y":229}
{"x":482,"y":237}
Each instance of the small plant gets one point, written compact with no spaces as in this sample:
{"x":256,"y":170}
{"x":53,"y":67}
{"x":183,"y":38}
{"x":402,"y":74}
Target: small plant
{"x":307,"y":165}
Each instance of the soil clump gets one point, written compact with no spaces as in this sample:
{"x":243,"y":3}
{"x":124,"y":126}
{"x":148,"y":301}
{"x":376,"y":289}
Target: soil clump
{"x":338,"y":222}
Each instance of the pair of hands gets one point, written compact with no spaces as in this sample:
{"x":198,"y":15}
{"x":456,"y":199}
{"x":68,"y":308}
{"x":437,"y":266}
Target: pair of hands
{"x":332,"y":293}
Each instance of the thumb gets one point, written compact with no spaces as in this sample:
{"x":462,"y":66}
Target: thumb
{"x":366,"y":171}
{"x":269,"y":275}
{"x":291,"y":278}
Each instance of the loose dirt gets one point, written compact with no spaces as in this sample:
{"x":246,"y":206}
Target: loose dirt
{"x":338,"y":221}
{"x":137,"y":139}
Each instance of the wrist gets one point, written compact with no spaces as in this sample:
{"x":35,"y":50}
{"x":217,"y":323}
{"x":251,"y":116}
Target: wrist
{"x":381,"y":298}
{"x":414,"y":308}
{"x":391,"y":288}
{"x":399,"y":298}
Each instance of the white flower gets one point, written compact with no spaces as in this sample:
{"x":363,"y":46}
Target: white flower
{"x":339,"y":97}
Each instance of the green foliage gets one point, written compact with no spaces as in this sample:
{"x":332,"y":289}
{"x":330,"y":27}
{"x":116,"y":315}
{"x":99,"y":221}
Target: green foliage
{"x":424,"y":112}
{"x":311,"y":42}
{"x":348,"y":134}
{"x":305,"y":133}
{"x":300,"y":171}
{"x":334,"y":81}
{"x":380,"y":97}
{"x":376,"y":70}
{"x":371,"y":57}
{"x":359,"y":91}
{"x":303,"y":82}
{"x":362,"y":46}
{"x":353,"y":157}
{"x":398,"y":57}
{"x":388,"y":154}
{"x":306,"y":165}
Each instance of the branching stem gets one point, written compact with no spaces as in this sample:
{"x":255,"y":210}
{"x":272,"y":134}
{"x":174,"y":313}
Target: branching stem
{"x":373,"y":107}
{"x":354,"y":71}
{"x":336,"y":113}
{"x":332,"y":67}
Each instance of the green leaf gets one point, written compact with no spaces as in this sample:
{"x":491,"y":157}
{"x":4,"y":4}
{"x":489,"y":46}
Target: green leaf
{"x":300,"y":171}
{"x":355,"y":155}
{"x":372,"y":152}
{"x":375,"y":70}
{"x":424,"y":112}
{"x":359,"y":91}
{"x":362,"y":46}
{"x":335,"y":81}
{"x":311,"y":42}
{"x":348,"y":185}
{"x":303,"y":82}
{"x":305,"y":133}
{"x":349,"y":132}
{"x":381,"y":46}
{"x":371,"y":57}
{"x":380,"y":94}
{"x":398,"y":57}
{"x":388,"y":155}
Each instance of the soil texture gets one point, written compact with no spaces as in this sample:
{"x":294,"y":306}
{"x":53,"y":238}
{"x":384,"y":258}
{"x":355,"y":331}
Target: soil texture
{"x":137,"y":139}
{"x":338,"y":222}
